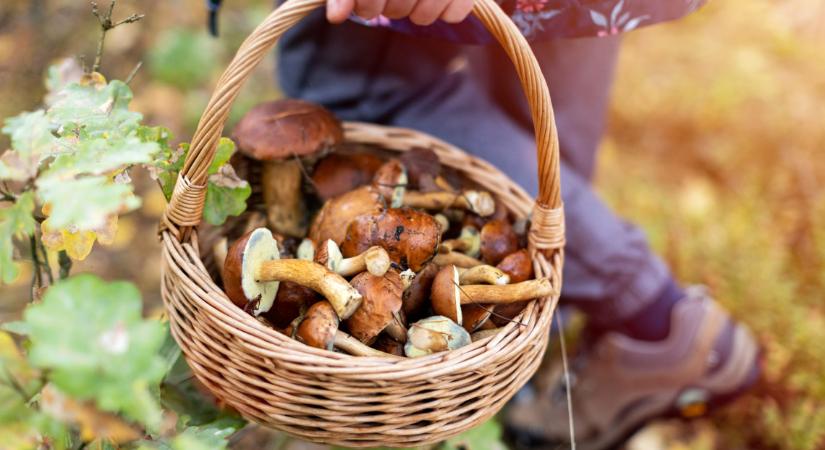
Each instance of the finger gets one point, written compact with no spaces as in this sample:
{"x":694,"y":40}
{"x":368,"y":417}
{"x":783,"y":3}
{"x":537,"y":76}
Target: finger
{"x":369,"y":9}
{"x":426,"y":12}
{"x":397,"y":9}
{"x":457,"y":11}
{"x":339,"y":10}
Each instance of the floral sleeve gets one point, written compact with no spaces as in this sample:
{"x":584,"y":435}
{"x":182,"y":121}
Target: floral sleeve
{"x":551,"y":19}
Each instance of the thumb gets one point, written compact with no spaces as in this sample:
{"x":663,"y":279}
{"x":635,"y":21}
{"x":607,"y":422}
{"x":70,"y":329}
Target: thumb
{"x":339,"y":10}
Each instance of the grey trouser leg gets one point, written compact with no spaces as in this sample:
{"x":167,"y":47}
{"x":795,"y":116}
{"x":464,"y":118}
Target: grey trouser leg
{"x":385,"y":77}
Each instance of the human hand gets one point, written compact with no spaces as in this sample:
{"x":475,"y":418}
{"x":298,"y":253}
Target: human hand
{"x":420,"y":12}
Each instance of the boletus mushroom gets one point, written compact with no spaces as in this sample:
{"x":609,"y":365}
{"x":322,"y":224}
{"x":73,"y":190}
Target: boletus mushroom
{"x":291,"y":301}
{"x":456,"y":259}
{"x":332,"y":220}
{"x":374,"y":260}
{"x":497,"y":241}
{"x":410,"y":237}
{"x":319,"y":329}
{"x":417,"y":295}
{"x":434,"y":334}
{"x":478,"y":202}
{"x":468,"y":242}
{"x":285,"y":134}
{"x":476,"y":316}
{"x":381,"y":309}
{"x":519,"y":267}
{"x":391,"y":183}
{"x":253,"y":270}
{"x":338,"y":173}
{"x":448,"y":295}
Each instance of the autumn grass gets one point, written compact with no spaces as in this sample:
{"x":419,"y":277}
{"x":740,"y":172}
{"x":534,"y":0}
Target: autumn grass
{"x":715,"y":148}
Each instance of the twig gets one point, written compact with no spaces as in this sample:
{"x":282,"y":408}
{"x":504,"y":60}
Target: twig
{"x":106,"y":24}
{"x":133,"y":72}
{"x":566,"y":382}
{"x":46,"y":263}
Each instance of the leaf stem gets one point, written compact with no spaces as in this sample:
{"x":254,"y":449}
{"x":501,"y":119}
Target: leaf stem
{"x":37,"y":281}
{"x":46,"y":263}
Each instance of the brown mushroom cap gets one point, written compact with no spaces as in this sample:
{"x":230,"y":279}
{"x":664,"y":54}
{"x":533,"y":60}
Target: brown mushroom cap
{"x":446,"y":294}
{"x":410,"y":237}
{"x":337,"y":213}
{"x":422,"y":165}
{"x":418,"y":294}
{"x":285,"y":128}
{"x":474,"y":316}
{"x":389,"y":345}
{"x":497,"y":241}
{"x":337,"y":173}
{"x":291,"y":299}
{"x":391,"y":182}
{"x":319,"y":326}
{"x":380,"y":307}
{"x":518,"y":265}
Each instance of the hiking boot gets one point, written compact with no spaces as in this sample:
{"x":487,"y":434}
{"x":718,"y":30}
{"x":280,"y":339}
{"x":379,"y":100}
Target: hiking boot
{"x":618,"y":384}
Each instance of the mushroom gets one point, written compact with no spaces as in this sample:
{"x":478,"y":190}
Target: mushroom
{"x":443,"y":223}
{"x":424,"y":170}
{"x":389,"y":345}
{"x":448,"y":295}
{"x":417,"y":295}
{"x":375,"y":260}
{"x":497,"y":241}
{"x":456,"y":259}
{"x":306,"y":250}
{"x":483,"y":334}
{"x":391,"y":182}
{"x":410,"y":237}
{"x":332,"y":220}
{"x":479,"y":202}
{"x":253,"y":270}
{"x":478,"y":221}
{"x":476,"y":316}
{"x":482,"y":274}
{"x":291,"y":301}
{"x":381,"y":309}
{"x":519,"y":267}
{"x":284,"y":135}
{"x":338,"y":173}
{"x":468,"y":242}
{"x":434,"y":334}
{"x":319,"y":329}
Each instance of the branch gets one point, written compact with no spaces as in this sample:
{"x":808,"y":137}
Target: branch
{"x":106,"y":24}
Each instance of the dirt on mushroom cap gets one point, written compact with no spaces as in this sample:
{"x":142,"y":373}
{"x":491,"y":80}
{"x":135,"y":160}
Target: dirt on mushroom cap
{"x":382,"y":300}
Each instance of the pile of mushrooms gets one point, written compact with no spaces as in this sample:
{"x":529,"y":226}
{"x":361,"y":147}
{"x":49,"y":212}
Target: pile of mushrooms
{"x":398,"y":257}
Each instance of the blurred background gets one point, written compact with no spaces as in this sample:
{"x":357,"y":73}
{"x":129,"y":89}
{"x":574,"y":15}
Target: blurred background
{"x":716,"y":128}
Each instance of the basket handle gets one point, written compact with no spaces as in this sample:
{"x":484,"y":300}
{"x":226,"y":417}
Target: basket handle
{"x":186,"y":205}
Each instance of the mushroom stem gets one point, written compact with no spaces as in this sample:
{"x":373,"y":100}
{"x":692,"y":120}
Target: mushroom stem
{"x":508,"y":293}
{"x":219,"y":251}
{"x":479,"y":202}
{"x":456,"y":259}
{"x":375,"y":260}
{"x":468,"y":243}
{"x":483,"y":274}
{"x":281,"y":185}
{"x":353,"y":346}
{"x":306,"y":250}
{"x":343,"y":297}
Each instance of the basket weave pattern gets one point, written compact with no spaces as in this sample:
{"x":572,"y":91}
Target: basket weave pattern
{"x":336,"y":398}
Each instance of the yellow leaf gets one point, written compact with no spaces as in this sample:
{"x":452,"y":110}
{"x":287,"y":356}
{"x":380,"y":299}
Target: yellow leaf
{"x":77,"y":244}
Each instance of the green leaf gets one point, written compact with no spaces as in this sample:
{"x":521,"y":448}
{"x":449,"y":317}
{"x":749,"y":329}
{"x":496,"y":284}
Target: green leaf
{"x":207,"y":437}
{"x":100,"y":156}
{"x":17,"y":327}
{"x":94,"y":111}
{"x":16,"y":221}
{"x":226,"y":196}
{"x":225,"y":150}
{"x":32,"y":141}
{"x":85,"y":203}
{"x":486,"y":436}
{"x":91,"y":337}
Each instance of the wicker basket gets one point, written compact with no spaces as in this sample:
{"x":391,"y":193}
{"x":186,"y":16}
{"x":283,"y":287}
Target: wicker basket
{"x":335,"y":398}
